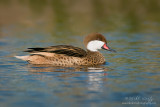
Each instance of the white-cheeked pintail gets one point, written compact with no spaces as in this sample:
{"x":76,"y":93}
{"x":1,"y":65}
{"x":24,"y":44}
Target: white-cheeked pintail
{"x":67,"y":55}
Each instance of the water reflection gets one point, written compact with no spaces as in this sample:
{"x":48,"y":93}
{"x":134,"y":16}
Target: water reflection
{"x":95,"y":76}
{"x":96,"y":79}
{"x":50,"y":68}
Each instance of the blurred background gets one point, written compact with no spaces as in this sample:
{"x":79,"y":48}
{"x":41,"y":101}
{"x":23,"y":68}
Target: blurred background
{"x":79,"y":17}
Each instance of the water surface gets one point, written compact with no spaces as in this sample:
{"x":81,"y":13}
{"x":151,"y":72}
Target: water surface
{"x":130,"y":75}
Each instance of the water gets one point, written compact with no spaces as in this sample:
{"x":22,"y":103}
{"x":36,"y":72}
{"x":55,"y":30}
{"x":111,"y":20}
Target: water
{"x":129,"y":76}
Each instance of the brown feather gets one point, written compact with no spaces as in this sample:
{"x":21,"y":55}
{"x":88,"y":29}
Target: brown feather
{"x":67,"y":50}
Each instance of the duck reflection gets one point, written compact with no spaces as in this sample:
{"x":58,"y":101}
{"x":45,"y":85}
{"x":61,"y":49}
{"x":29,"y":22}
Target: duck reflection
{"x":49,"y":68}
{"x":92,"y":77}
{"x":96,"y":78}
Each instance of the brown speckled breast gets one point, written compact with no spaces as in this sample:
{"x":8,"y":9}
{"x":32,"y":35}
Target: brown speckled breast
{"x":93,"y":58}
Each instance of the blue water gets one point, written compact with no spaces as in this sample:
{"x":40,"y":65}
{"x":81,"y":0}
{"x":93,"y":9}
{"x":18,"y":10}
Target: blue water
{"x":132,"y":72}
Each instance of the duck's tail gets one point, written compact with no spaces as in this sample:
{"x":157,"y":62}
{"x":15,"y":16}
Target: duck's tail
{"x":23,"y":57}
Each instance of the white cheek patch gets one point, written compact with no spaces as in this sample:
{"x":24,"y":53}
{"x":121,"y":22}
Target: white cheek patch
{"x":95,"y":45}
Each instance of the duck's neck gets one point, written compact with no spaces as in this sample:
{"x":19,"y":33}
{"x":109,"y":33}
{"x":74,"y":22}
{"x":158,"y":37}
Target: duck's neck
{"x":92,"y":52}
{"x":96,"y":57}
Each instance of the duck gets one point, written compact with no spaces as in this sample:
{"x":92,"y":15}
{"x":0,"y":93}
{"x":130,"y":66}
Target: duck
{"x":67,"y":55}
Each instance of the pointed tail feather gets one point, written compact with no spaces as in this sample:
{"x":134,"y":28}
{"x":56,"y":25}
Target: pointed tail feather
{"x":23,"y":57}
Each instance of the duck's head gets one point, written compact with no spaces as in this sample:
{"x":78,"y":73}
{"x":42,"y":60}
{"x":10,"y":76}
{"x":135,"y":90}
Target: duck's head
{"x":95,"y":41}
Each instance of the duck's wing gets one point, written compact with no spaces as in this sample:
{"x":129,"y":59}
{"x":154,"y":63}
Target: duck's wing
{"x":67,"y":50}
